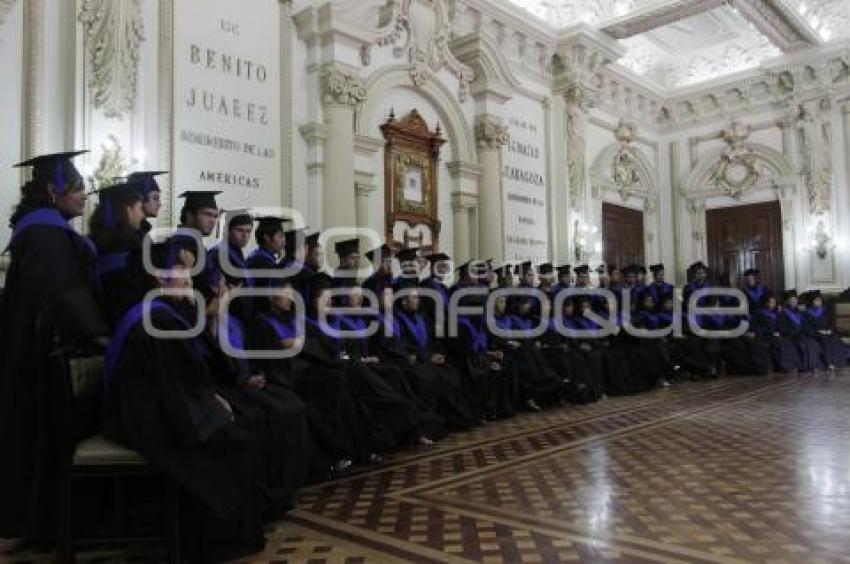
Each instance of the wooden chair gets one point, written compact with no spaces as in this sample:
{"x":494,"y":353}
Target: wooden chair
{"x":86,"y":454}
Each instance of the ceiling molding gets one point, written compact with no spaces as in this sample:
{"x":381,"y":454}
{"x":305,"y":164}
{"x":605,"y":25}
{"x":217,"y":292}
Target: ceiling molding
{"x":657,"y":16}
{"x":783,"y":28}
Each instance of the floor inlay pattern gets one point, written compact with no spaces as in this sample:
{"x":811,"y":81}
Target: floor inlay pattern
{"x":737,"y":470}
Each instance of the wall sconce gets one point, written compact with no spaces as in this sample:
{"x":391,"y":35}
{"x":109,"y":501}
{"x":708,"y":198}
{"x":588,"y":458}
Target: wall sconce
{"x":583,"y":244}
{"x":821,"y":242}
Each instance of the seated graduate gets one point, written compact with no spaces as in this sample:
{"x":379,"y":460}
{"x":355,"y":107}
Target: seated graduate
{"x":540,"y":384}
{"x":276,"y":413}
{"x":113,"y":228}
{"x":705,"y":353}
{"x":575,"y":362}
{"x":793,"y":326}
{"x":164,"y":400}
{"x":419,"y":383}
{"x":565,"y":279}
{"x":747,"y":355}
{"x":239,"y":228}
{"x":698,"y":274}
{"x":439,"y":268}
{"x":786,"y":357}
{"x":658,"y":288}
{"x":270,"y":245}
{"x":382,"y":387}
{"x":323,"y":346}
{"x":338,"y":424}
{"x":754,"y":289}
{"x":382,"y":277}
{"x":427,"y":355}
{"x":490,"y":390}
{"x":547,"y":282}
{"x":144,"y":181}
{"x":617,"y":375}
{"x":198,"y":218}
{"x":50,"y":289}
{"x":654,"y":352}
{"x":504,"y":275}
{"x":349,"y":263}
{"x":822,"y":328}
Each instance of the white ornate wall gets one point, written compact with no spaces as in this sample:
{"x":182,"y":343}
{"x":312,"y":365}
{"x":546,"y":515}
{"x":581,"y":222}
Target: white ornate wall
{"x":80,"y":72}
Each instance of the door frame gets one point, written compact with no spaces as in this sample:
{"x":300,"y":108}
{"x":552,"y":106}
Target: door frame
{"x":630,"y":210}
{"x":776,"y":233}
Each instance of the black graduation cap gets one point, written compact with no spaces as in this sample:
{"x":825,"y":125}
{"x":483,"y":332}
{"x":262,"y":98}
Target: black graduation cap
{"x":752,"y":272}
{"x":200,"y":199}
{"x":113,"y":191}
{"x":438,"y":257}
{"x":407,"y":255}
{"x":382,"y":252}
{"x":656,"y":268}
{"x":564,"y":269}
{"x":291,"y":237}
{"x":789,"y":294}
{"x":612,"y":268}
{"x":640,"y":269}
{"x":55,"y":168}
{"x":600,"y":269}
{"x":813,"y":294}
{"x":546,"y":268}
{"x":145,"y":181}
{"x":165,"y":254}
{"x":270,"y":223}
{"x":405,"y":282}
{"x":240,"y":219}
{"x":583,"y":269}
{"x":698,"y":265}
{"x":313,"y":239}
{"x":524,"y":267}
{"x":347,"y":247}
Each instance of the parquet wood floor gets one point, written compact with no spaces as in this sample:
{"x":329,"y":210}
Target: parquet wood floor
{"x":737,"y":470}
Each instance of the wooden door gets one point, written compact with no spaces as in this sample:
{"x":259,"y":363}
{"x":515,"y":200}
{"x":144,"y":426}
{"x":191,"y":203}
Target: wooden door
{"x":745,"y":237}
{"x":622,"y":235}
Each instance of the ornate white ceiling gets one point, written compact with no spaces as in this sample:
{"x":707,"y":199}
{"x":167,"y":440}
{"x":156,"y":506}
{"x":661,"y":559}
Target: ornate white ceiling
{"x":698,"y":48}
{"x":829,"y":18}
{"x":678,"y":43}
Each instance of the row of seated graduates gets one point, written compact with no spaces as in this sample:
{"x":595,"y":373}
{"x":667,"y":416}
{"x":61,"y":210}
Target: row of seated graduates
{"x":241,"y":437}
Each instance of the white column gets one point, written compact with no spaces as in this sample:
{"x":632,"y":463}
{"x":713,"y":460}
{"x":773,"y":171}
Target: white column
{"x":287,"y":32}
{"x":362,"y":190}
{"x":492,"y":135}
{"x":460,"y":213}
{"x":342,"y":92}
{"x":34,"y":57}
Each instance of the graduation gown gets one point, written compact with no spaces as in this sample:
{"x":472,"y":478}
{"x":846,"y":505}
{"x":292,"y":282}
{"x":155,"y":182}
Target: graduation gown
{"x":822,"y":328}
{"x":160,"y":401}
{"x":490,"y":390}
{"x":381,"y":387}
{"x":653,"y":353}
{"x":262,"y":259}
{"x":417,"y":337}
{"x":616,"y":371}
{"x":748,"y":354}
{"x":275,"y":412}
{"x":786,"y":357}
{"x":576,"y":363}
{"x":417,"y":382}
{"x":338,"y":423}
{"x":50,"y":289}
{"x":537,"y":379}
{"x":121,"y":284}
{"x":793,"y":326}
